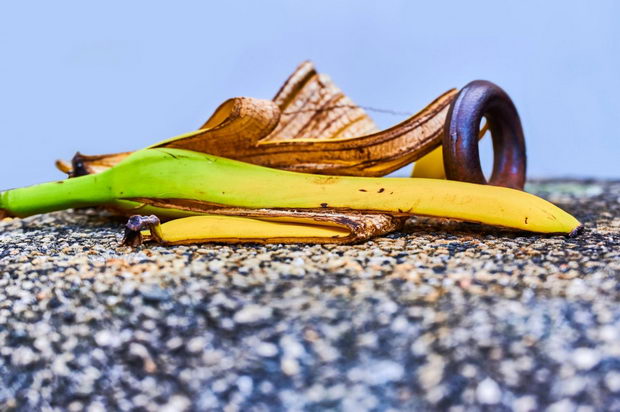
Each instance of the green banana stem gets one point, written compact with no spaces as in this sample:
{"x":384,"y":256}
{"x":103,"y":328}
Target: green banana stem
{"x":84,"y":191}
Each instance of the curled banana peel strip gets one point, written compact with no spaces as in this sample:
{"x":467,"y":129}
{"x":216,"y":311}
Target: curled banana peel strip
{"x":189,"y":221}
{"x":309,"y":126}
{"x":268,"y":226}
{"x":203,"y":184}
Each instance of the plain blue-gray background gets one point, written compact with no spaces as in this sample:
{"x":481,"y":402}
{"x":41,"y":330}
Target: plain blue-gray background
{"x":117,"y":75}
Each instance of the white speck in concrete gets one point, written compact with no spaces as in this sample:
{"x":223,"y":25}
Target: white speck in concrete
{"x":253,"y":313}
{"x":564,"y":405}
{"x":177,"y":403}
{"x":585,"y":358}
{"x":291,"y":347}
{"x":383,"y":372}
{"x":267,"y":349}
{"x":96,"y":407}
{"x":525,"y":404}
{"x":290,"y":366}
{"x":23,"y":356}
{"x":196,"y":345}
{"x":612,"y":381}
{"x":103,"y":338}
{"x":488,"y":392}
{"x":245,"y":384}
{"x":608,"y":333}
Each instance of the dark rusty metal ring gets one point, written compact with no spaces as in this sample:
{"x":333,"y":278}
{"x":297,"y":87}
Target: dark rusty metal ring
{"x":476,"y":100}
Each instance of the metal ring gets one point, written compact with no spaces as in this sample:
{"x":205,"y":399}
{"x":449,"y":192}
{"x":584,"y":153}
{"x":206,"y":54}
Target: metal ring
{"x":476,"y":100}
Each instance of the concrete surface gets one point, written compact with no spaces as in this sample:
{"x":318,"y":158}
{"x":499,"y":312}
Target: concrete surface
{"x":444,"y":316}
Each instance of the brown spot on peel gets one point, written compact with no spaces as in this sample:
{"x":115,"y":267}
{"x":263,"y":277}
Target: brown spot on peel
{"x":325,"y":180}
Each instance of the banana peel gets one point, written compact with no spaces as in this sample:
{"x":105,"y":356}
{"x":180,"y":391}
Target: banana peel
{"x":310,"y":126}
{"x":267,"y":226}
{"x":204,"y":184}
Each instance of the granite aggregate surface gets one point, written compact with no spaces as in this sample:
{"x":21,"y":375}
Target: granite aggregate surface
{"x":442,"y":316}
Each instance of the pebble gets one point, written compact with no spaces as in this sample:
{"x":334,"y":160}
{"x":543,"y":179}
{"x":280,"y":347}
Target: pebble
{"x":443,"y":316}
{"x":177,"y":403}
{"x":174,"y":343}
{"x":291,"y":347}
{"x":23,"y":356}
{"x":154,"y":294}
{"x":103,"y":338}
{"x":488,"y":392}
{"x":196,"y":345}
{"x":245,"y":384}
{"x":290,"y":366}
{"x":267,"y":349}
{"x":525,"y":404}
{"x":253,"y":313}
{"x":564,"y":405}
{"x":96,"y":407}
{"x":585,"y":358}
{"x":612,"y":380}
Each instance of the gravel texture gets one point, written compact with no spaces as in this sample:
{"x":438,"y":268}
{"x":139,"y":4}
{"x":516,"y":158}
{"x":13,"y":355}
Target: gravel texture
{"x":442,"y":316}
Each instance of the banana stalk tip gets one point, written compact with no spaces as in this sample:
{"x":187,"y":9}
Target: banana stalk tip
{"x":135,"y":225}
{"x":131,"y":238}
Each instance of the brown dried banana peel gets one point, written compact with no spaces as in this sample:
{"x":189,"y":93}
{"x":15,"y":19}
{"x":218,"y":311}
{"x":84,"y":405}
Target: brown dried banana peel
{"x":310,"y":126}
{"x":190,"y":221}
